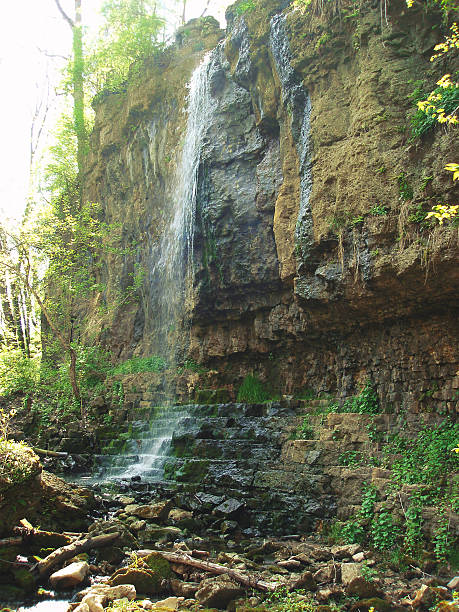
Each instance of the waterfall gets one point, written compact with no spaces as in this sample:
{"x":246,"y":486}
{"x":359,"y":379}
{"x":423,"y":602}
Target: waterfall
{"x":171,"y":281}
{"x":296,"y":100}
{"x":172,"y":274}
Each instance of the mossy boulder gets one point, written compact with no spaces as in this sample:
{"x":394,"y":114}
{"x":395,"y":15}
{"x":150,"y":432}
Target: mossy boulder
{"x":150,"y":577}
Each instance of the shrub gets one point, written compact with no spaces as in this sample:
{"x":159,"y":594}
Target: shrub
{"x":141,"y":364}
{"x":252,"y":391}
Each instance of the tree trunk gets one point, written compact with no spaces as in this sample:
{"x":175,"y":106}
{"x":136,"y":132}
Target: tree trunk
{"x":184,"y":12}
{"x":78,"y":89}
{"x":248,"y":580}
{"x":46,"y":565}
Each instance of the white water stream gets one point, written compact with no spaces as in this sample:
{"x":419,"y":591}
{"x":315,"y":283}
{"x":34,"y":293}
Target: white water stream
{"x":172,"y":285}
{"x":296,"y":100}
{"x":173,"y":271}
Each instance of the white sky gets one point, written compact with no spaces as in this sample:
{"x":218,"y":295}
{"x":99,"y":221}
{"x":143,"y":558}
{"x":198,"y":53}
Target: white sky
{"x":25,"y":27}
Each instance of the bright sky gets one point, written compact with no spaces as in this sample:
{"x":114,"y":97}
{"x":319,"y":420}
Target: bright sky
{"x":25,"y":28}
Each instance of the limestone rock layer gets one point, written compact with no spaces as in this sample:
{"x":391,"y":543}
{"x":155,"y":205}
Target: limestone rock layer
{"x":310,"y":269}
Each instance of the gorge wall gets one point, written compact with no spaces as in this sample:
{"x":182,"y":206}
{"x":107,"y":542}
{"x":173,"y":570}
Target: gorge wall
{"x":310,"y":268}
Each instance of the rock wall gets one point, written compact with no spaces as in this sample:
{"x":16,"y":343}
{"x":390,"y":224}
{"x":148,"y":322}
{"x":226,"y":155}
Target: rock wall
{"x":310,"y":269}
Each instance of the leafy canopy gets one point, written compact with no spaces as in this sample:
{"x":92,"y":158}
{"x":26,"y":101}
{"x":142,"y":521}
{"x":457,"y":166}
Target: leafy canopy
{"x":130,"y":33}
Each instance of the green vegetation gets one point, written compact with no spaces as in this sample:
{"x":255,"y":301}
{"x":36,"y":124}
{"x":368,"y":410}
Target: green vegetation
{"x":141,"y":364}
{"x":245,"y":6}
{"x":252,"y":391}
{"x":305,"y":431}
{"x":427,"y":461}
{"x":130,"y":34}
{"x":366,"y":402}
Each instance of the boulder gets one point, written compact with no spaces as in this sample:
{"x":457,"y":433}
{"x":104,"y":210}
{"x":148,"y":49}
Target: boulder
{"x":96,"y":597}
{"x":217,"y":592}
{"x":363,"y":589}
{"x":70,"y":576}
{"x":153,"y":533}
{"x":349,"y":571}
{"x":453,"y":584}
{"x":168,"y":604}
{"x":184,"y":589}
{"x":229,"y":507}
{"x":177,"y":514}
{"x":345,"y":552}
{"x":329,"y":573}
{"x":305,"y":581}
{"x":150,"y":577}
{"x":159,"y":511}
{"x":427,"y":596}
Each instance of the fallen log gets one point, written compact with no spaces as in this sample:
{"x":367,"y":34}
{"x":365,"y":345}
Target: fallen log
{"x":11,"y":542}
{"x":44,"y":567}
{"x":49,"y":453}
{"x":248,"y":580}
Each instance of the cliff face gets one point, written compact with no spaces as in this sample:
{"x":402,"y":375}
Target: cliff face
{"x":309,"y":267}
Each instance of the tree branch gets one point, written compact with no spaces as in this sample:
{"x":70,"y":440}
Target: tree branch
{"x":64,"y":14}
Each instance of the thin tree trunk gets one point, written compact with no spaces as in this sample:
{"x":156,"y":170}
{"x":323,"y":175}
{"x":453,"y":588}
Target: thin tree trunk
{"x":184,"y":12}
{"x":46,"y":565}
{"x":248,"y":580}
{"x":78,"y":88}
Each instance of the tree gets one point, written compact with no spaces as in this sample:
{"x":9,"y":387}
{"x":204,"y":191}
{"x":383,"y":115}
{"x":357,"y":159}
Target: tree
{"x":130,"y":34}
{"x":77,"y":81}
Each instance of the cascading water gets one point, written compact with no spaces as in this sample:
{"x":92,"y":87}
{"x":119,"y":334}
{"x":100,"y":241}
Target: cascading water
{"x":172,"y":287}
{"x":296,"y":100}
{"x":172,"y":275}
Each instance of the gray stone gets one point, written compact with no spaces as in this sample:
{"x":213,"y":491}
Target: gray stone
{"x":229,"y":507}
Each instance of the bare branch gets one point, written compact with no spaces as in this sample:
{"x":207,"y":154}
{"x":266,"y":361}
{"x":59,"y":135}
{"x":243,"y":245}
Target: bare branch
{"x":64,"y":14}
{"x":53,"y":55}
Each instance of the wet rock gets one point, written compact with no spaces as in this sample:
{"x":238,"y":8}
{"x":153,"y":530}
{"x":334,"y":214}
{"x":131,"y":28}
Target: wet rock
{"x":113,"y":554}
{"x":70,"y":576}
{"x":217,"y":592}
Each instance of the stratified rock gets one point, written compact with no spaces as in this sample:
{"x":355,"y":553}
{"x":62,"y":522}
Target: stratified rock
{"x":217,"y":592}
{"x":70,"y":576}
